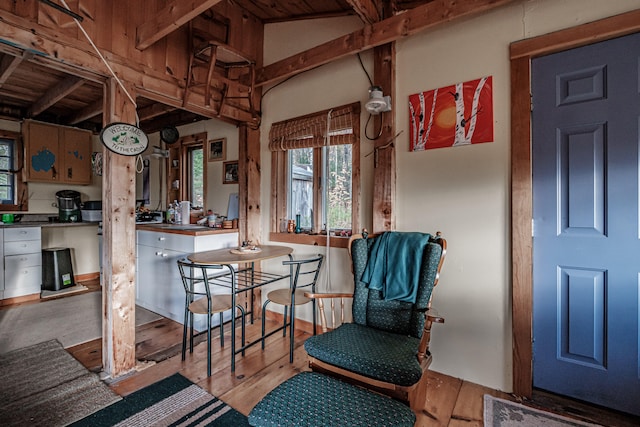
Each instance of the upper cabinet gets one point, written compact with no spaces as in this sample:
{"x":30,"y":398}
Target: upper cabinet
{"x":57,"y":153}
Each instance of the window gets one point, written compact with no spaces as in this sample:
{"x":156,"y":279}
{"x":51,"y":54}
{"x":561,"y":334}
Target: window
{"x":12,"y":190}
{"x":315,"y":178}
{"x":195,"y":159}
{"x":187,"y":176}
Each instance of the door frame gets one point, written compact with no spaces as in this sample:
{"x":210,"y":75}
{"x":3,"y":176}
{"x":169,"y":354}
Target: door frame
{"x":521,"y":54}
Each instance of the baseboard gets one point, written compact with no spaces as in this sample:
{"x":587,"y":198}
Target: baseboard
{"x":301,"y":324}
{"x":86,"y":276}
{"x":20,"y":299}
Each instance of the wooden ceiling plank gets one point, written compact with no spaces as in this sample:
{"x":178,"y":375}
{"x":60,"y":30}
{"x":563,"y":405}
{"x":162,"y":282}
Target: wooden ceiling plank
{"x":366,"y":10}
{"x":429,"y":15}
{"x":89,"y":112}
{"x":9,"y":64}
{"x":55,"y":94}
{"x":154,"y":110}
{"x":169,"y":19}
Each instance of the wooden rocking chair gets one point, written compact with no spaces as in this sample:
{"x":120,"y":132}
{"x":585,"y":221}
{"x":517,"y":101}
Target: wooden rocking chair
{"x":386,"y":347}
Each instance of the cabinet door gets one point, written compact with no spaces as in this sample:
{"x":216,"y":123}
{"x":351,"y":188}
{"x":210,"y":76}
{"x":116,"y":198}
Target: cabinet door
{"x":42,"y":155}
{"x":75,"y":147}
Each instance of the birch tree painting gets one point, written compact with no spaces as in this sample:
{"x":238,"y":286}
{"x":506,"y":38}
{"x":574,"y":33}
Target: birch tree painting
{"x":459,"y":114}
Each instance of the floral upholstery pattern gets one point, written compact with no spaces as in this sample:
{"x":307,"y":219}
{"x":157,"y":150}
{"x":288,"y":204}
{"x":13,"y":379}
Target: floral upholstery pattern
{"x":310,"y":399}
{"x":383,"y":339}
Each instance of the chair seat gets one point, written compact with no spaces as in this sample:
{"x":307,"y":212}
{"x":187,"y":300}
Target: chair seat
{"x":218,"y":303}
{"x":376,"y":354}
{"x":310,"y":399}
{"x":283,"y":296}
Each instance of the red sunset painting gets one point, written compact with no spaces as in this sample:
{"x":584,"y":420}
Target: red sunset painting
{"x":449,"y":116}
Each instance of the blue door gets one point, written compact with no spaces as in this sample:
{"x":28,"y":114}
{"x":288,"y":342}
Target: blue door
{"x":586,"y":244}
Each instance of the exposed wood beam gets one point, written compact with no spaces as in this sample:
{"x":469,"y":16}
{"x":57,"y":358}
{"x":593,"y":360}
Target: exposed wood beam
{"x":366,"y":10}
{"x":10,"y":63}
{"x":55,"y":94}
{"x":66,"y":54}
{"x":423,"y":17}
{"x":86,"y":113}
{"x":169,"y":19}
{"x":154,"y":110}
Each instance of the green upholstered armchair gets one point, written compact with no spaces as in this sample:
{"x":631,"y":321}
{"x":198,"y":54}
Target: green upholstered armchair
{"x":386,"y":347}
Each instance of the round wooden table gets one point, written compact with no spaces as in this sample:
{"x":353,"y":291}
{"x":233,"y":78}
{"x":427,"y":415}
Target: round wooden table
{"x":229,"y":257}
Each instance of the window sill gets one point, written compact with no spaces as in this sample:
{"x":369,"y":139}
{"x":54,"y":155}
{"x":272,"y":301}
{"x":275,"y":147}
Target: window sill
{"x":307,"y":239}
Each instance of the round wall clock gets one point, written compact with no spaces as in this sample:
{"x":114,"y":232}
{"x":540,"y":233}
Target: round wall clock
{"x":169,"y":135}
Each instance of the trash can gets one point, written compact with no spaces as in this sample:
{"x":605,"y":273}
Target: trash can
{"x":57,"y":271}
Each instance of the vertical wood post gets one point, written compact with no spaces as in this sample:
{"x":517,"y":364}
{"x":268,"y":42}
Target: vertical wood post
{"x":384,"y":172}
{"x":119,"y":239}
{"x":249,"y":194}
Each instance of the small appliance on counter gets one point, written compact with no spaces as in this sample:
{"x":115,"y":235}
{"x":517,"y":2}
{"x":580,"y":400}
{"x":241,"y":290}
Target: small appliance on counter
{"x":69,"y":206}
{"x":150,"y":217}
{"x":92,"y":211}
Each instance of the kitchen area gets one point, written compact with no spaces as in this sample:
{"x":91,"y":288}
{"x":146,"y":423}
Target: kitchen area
{"x":65,"y":211}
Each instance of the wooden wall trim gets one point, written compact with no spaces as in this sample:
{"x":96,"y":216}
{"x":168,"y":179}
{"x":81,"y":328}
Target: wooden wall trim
{"x":522,"y":53}
{"x":384,"y":163}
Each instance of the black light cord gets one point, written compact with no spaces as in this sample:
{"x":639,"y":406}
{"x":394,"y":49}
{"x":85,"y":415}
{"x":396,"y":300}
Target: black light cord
{"x":366,"y":126}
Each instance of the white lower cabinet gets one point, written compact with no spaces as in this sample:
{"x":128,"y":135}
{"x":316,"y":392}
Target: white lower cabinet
{"x":158,"y":284}
{"x":22,"y":255}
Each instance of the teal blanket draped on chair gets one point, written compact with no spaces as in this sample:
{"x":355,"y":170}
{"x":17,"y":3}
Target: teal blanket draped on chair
{"x":394,"y":265}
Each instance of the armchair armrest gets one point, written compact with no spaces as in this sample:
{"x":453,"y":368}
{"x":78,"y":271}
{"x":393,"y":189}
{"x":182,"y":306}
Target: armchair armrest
{"x":431,"y":316}
{"x":332,"y":296}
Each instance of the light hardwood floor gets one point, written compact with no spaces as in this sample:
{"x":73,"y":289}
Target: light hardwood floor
{"x":449,"y":401}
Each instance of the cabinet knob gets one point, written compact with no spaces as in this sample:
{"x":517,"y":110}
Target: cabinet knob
{"x":165,"y":255}
{"x":160,"y":239}
{"x":159,"y":253}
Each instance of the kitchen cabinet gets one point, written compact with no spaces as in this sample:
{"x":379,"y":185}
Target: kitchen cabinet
{"x":158,"y":283}
{"x":57,"y":153}
{"x":22,"y":255}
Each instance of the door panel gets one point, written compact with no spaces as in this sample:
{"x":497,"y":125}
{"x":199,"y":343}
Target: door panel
{"x":586,"y":245}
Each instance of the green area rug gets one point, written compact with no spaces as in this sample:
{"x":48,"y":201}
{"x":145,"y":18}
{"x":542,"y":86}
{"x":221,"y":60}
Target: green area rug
{"x":174,"y":401}
{"x":505,"y":413}
{"x":43,"y":385}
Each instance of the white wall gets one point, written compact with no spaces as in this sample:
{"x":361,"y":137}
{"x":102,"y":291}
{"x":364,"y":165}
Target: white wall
{"x":464,"y":191}
{"x":217,"y":197}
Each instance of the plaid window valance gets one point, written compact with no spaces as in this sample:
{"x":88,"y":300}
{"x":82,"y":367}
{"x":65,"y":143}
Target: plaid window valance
{"x":309,"y":131}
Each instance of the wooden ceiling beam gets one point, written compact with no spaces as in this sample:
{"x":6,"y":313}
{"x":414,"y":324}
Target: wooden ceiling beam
{"x":9,"y":64}
{"x":154,"y":110}
{"x":366,"y":10}
{"x":88,"y":112}
{"x":55,"y":94}
{"x":429,"y":15}
{"x":169,"y":19}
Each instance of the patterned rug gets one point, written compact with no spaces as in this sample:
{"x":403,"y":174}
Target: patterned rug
{"x":505,"y":413}
{"x":174,"y":401}
{"x":43,"y":385}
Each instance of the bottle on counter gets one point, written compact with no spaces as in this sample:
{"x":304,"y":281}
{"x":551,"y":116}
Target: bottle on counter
{"x":171,"y":214}
{"x":178,"y":213}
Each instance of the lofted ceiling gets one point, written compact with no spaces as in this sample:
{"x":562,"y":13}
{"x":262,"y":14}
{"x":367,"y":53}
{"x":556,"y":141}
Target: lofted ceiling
{"x":29,"y":88}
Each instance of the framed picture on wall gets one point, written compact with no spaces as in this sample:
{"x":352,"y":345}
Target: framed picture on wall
{"x":217,"y":150}
{"x":230,"y":171}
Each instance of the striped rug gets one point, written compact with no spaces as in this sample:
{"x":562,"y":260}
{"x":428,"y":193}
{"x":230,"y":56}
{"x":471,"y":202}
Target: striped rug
{"x":174,"y":401}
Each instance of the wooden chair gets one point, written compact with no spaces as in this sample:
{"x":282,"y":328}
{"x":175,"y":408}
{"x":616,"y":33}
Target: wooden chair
{"x":294,"y":295}
{"x":386,"y":347}
{"x":200,"y":300}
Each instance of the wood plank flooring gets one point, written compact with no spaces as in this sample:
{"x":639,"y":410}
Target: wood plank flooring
{"x":449,"y":401}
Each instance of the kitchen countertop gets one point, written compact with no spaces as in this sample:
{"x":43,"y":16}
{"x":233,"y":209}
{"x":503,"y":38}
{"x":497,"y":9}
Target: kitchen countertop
{"x":47,"y":224}
{"x":185,"y":229}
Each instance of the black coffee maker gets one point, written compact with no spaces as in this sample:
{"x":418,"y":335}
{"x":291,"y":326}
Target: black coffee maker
{"x":69,"y":206}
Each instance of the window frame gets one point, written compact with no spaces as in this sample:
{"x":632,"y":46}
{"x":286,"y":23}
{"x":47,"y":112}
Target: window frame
{"x":181,"y":151}
{"x":280,"y":190}
{"x":21,"y":198}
